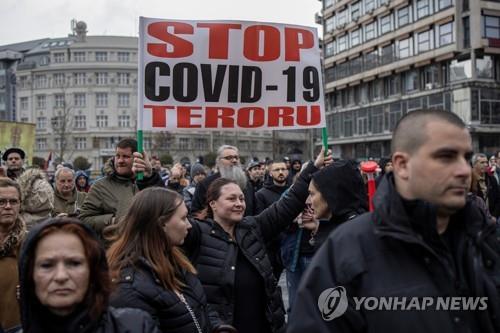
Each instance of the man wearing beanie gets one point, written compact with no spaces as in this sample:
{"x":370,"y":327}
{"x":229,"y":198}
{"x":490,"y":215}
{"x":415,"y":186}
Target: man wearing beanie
{"x":198,"y":173}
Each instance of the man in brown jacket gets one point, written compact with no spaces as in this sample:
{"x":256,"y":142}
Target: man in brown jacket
{"x":67,"y":200}
{"x":12,"y":231}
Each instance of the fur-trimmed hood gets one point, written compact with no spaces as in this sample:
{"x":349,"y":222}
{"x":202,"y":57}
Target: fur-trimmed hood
{"x":14,"y":239}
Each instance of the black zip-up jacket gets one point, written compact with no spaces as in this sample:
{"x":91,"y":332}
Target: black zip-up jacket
{"x":214,"y":252}
{"x":396,"y":251}
{"x":267,"y":195}
{"x":140,"y":288}
{"x":250,"y":201}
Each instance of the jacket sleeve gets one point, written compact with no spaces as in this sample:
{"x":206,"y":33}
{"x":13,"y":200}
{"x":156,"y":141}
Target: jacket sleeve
{"x":260,"y":204}
{"x":213,"y":317}
{"x":126,"y":296}
{"x":188,"y":198}
{"x":279,"y":215}
{"x":92,"y":211}
{"x":154,"y":180}
{"x":192,"y":241}
{"x":199,"y":196}
{"x":309,"y":314}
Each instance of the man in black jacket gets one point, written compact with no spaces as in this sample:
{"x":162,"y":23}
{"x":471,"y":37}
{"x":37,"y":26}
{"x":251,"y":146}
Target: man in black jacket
{"x":255,"y":176}
{"x":273,"y":188}
{"x":424,"y":241}
{"x":487,"y":186}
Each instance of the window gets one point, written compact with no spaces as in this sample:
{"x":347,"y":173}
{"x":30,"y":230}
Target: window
{"x":385,"y":24}
{"x":148,"y":143}
{"x":424,"y":41}
{"x":59,"y":79}
{"x":59,"y":57}
{"x":355,"y":11}
{"x":370,"y":31}
{"x":79,"y":99}
{"x":411,"y":81}
{"x":57,"y":122}
{"x":460,"y":70}
{"x":41,"y":143}
{"x":392,"y":85}
{"x":431,"y":77}
{"x":342,"y":43}
{"x":79,"y":79}
{"x":101,"y":78}
{"x":101,"y":56}
{"x":387,"y":54}
{"x":356,"y":37}
{"x":80,"y":122}
{"x":484,"y":67}
{"x":101,"y":99}
{"x":41,"y":81}
{"x":59,"y":101}
{"x":123,"y":79}
{"x":102,"y":121}
{"x":444,"y":4}
{"x":404,"y":48}
{"x":80,"y":143}
{"x":466,"y":25}
{"x":79,"y":57}
{"x":403,"y":16}
{"x":446,"y":34}
{"x":356,"y":65}
{"x":41,"y":123}
{"x":124,"y":120}
{"x":329,"y":3}
{"x":40,"y":102}
{"x":491,"y":27}
{"x":370,"y":60}
{"x":423,"y":8}
{"x":123,"y":100}
{"x":202,"y":144}
{"x":329,"y":24}
{"x":329,"y":49}
{"x":24,"y":103}
{"x":342,"y":18}
{"x":123,"y":56}
{"x":59,"y":143}
{"x":183,"y":143}
{"x":370,"y":5}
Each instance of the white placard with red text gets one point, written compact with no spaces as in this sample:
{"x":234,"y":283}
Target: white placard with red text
{"x":228,"y":75}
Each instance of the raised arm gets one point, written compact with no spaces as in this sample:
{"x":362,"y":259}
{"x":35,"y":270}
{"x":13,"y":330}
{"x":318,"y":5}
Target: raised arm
{"x":277,"y":217}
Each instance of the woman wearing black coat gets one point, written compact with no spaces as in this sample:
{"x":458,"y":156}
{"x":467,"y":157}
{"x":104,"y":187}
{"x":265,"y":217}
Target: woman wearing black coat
{"x":65,"y":284}
{"x":230,"y":255}
{"x":150,"y":271}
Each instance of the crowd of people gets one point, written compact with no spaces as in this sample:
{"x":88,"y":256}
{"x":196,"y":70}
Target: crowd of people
{"x":201,"y":250}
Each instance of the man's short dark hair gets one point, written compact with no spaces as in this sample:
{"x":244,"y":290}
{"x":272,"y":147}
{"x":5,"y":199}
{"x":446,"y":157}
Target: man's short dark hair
{"x":128,"y":143}
{"x":409,"y":134}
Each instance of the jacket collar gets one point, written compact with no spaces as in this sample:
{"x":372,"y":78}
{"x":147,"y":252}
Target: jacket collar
{"x":415,"y":220}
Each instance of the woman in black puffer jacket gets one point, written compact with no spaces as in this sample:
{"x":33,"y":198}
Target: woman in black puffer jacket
{"x":65,"y":284}
{"x":150,"y":271}
{"x":229,"y":252}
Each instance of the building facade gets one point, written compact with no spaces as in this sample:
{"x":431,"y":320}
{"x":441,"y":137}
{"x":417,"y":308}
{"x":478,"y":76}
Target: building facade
{"x":384,"y":58}
{"x":81,"y":92}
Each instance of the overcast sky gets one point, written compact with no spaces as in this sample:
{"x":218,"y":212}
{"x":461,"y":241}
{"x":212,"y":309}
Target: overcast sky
{"x":23,"y":20}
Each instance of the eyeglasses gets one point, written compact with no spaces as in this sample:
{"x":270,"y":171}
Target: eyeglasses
{"x":12,"y":202}
{"x":231,"y":157}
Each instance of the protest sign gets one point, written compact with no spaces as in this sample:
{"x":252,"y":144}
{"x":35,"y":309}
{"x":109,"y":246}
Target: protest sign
{"x":228,"y":75}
